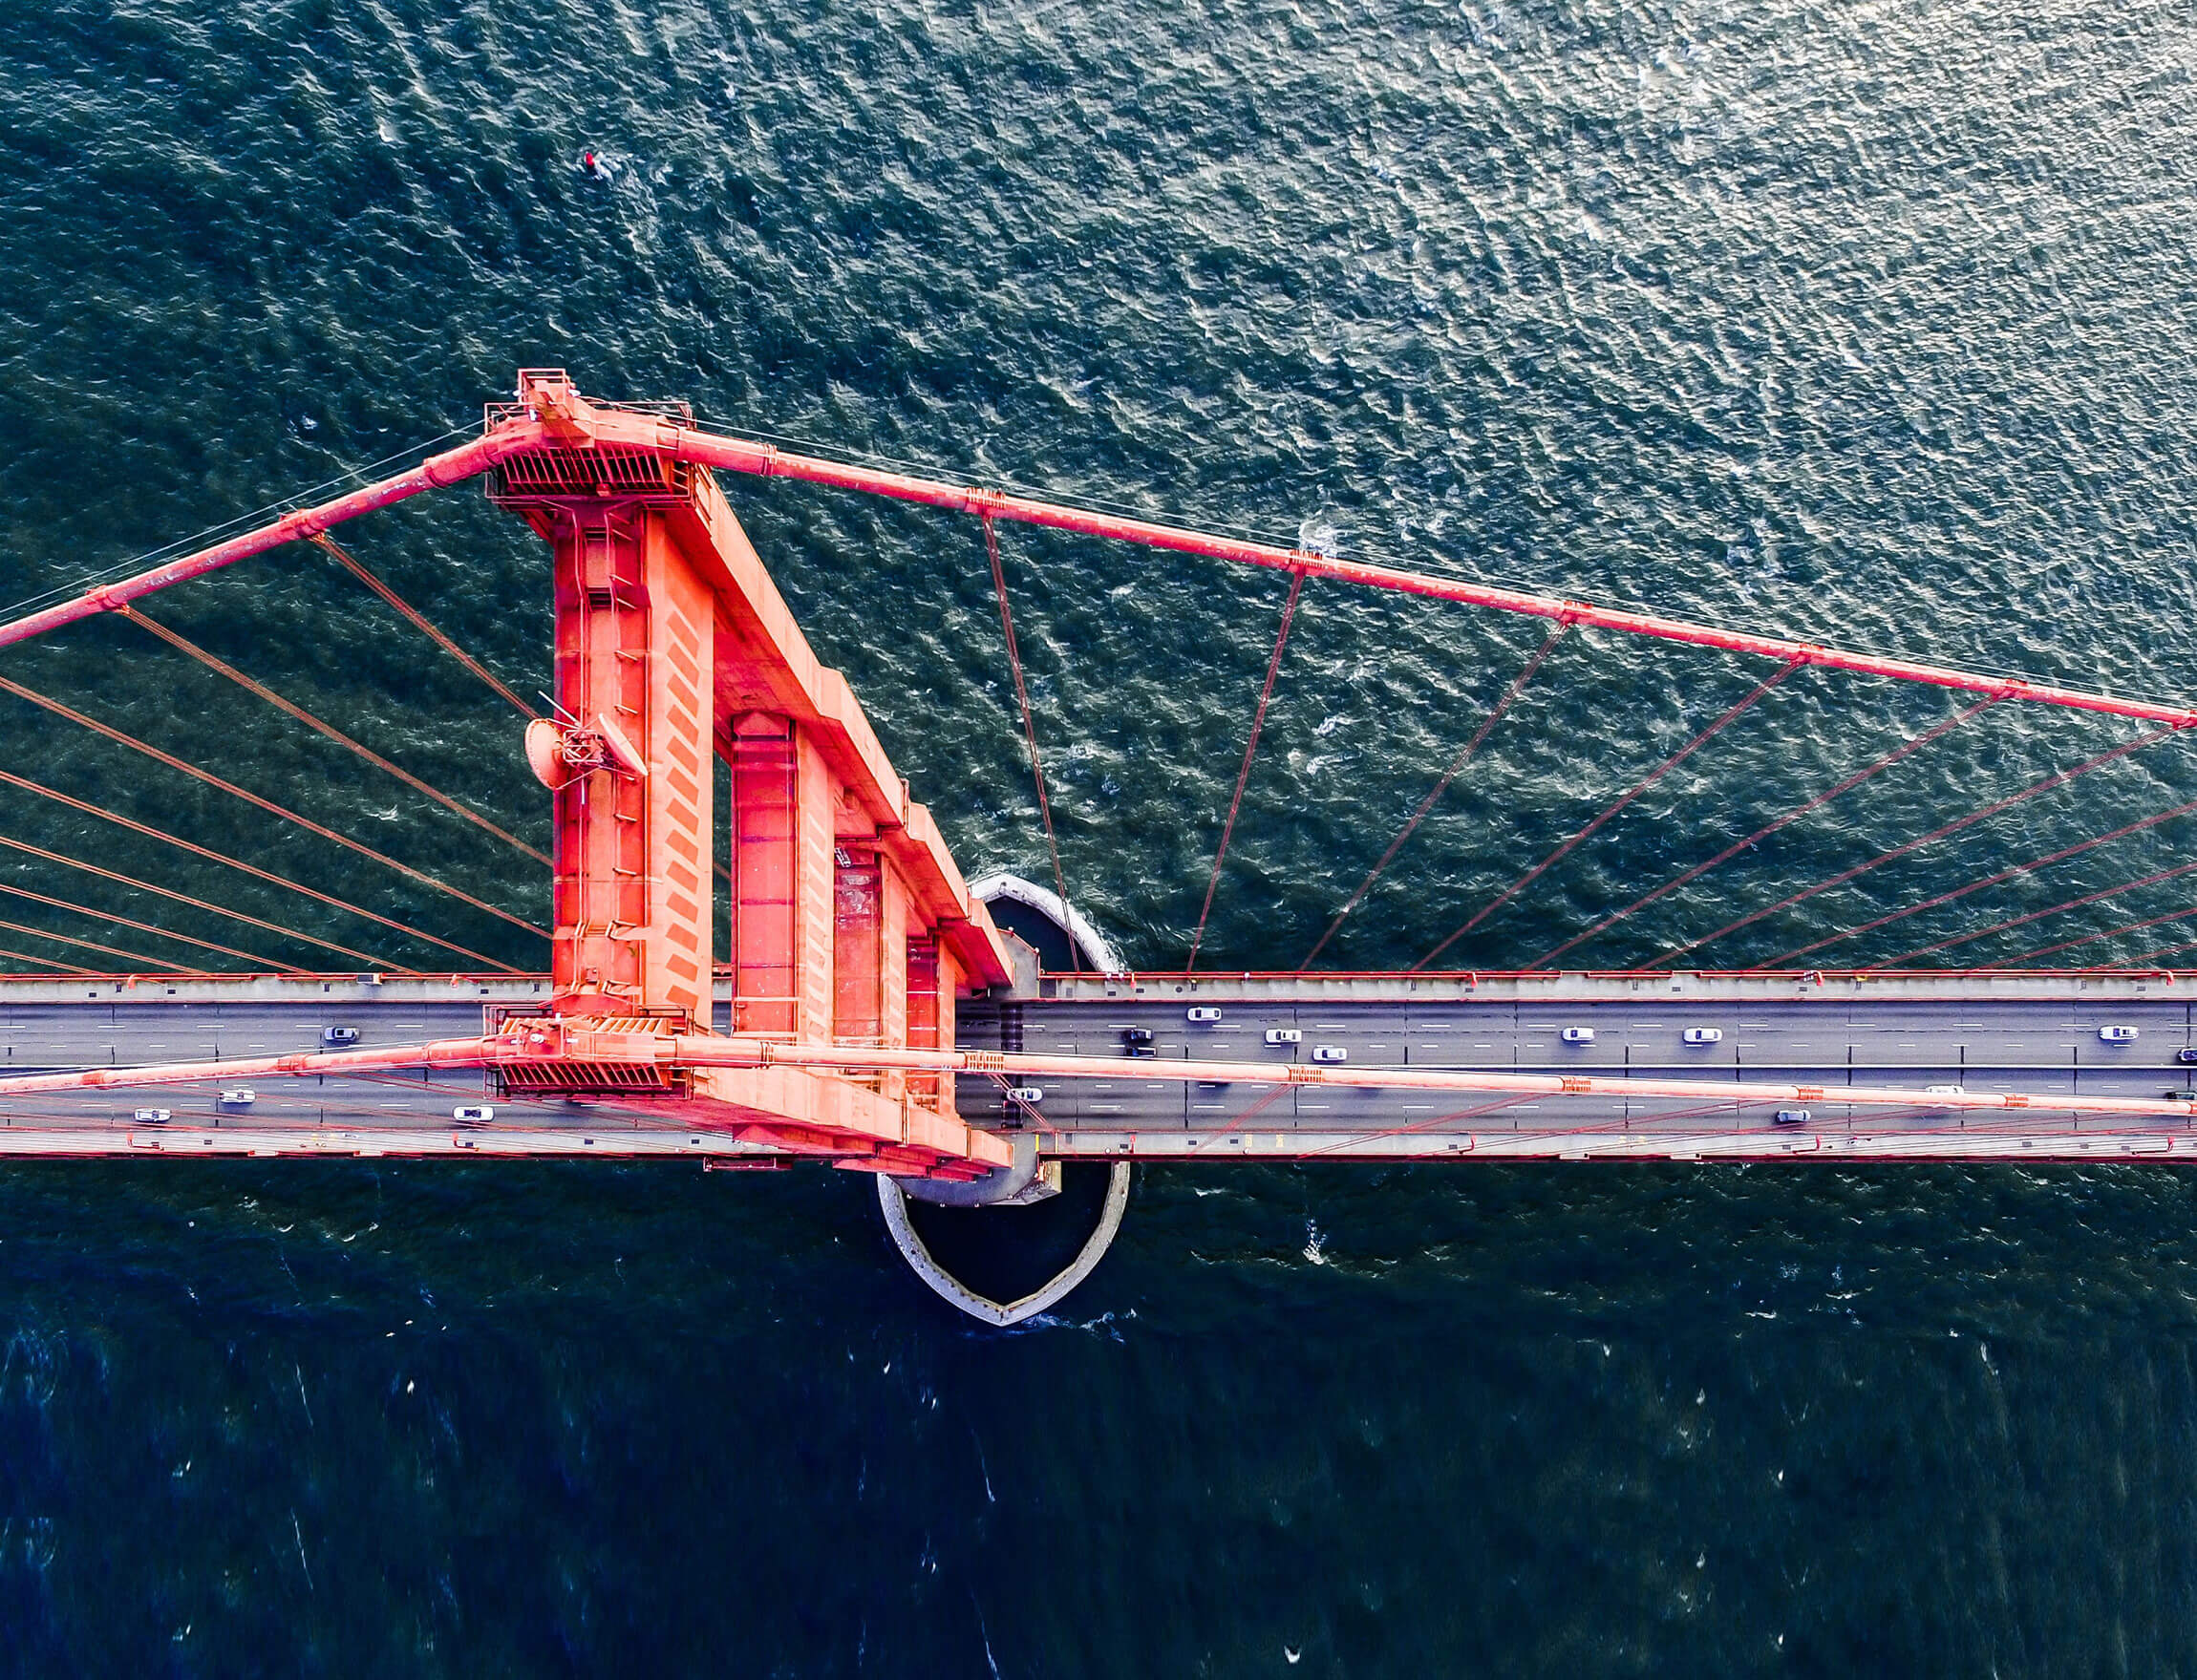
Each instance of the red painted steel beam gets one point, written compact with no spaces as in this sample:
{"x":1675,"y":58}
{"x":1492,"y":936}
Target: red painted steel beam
{"x":452,"y":466}
{"x":444,"y":1053}
{"x":569,"y":422}
{"x":765,"y":460}
{"x":696,"y":1051}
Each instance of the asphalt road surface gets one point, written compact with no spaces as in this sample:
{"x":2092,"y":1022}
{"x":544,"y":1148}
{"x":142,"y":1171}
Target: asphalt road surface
{"x":2040,"y":1048}
{"x":381,"y":1111}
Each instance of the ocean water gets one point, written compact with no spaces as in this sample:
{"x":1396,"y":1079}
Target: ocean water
{"x":1867,"y":322}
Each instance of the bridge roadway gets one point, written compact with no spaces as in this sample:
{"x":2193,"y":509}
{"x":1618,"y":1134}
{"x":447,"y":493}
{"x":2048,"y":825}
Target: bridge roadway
{"x":2037,"y":1037}
{"x":2032,"y":1035}
{"x":47,"y":1027}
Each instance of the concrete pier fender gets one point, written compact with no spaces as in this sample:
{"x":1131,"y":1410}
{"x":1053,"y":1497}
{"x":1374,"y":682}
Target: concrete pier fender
{"x":894,"y":1199}
{"x":1073,"y":942}
{"x":1024,"y":1243}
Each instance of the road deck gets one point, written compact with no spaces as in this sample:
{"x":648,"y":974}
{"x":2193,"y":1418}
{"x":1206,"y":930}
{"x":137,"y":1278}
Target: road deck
{"x":2040,"y":1046}
{"x":2036,"y":1035}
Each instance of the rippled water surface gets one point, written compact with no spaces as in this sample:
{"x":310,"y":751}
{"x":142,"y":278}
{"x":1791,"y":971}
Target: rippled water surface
{"x":1868,"y":323}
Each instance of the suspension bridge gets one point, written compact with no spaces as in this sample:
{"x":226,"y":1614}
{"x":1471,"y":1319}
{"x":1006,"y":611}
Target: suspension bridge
{"x":871,"y":1010}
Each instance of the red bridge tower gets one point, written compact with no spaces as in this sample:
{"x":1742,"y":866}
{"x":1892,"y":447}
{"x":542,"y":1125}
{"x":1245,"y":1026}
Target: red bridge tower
{"x":850,"y":924}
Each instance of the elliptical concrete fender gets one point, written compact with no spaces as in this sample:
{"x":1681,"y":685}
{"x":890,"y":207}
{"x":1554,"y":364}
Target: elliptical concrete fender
{"x":892,"y":1198}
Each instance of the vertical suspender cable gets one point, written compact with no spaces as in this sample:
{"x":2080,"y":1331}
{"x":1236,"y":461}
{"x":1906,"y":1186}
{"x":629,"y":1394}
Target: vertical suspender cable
{"x":42,"y":962}
{"x":2075,"y":904}
{"x":226,"y":950}
{"x":1462,"y":1114}
{"x":220,"y":668}
{"x":1760,"y":834}
{"x":1441,"y":787}
{"x":143,"y":962}
{"x":124,"y":738}
{"x":1624,"y":799}
{"x":1250,"y":747}
{"x":396,"y":600}
{"x":1029,"y":726}
{"x":2068,"y":945}
{"x":1961,"y":892}
{"x":2143,"y":959}
{"x":184,"y":898}
{"x":2059,"y":778}
{"x":11,"y":780}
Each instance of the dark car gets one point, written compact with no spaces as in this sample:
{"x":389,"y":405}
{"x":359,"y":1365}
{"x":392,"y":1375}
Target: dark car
{"x":1137,"y":1040}
{"x":2186,"y":1058}
{"x":2173,"y":1095}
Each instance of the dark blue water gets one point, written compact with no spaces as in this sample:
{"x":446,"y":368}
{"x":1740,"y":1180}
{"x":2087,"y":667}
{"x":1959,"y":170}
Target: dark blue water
{"x":1871,"y":323}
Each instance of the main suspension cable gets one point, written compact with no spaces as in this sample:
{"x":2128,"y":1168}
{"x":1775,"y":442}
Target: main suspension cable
{"x":420,"y":619}
{"x":184,"y":898}
{"x":2059,"y":778}
{"x":122,"y":738}
{"x":1625,"y":798}
{"x":1441,"y":787}
{"x":226,"y":950}
{"x":1029,"y":726}
{"x":1763,"y":833}
{"x":222,"y":669}
{"x":12,"y":780}
{"x":1961,"y":892}
{"x":1244,"y":774}
{"x":295,"y":499}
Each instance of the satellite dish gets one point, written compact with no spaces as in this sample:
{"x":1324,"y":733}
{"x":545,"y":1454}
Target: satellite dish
{"x":545,"y":753}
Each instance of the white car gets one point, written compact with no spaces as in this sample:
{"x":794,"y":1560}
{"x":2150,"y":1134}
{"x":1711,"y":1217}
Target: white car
{"x":153,"y":1117}
{"x":1203,"y":1014}
{"x":1284,"y":1036}
{"x":1704,"y":1036}
{"x":1578,"y":1036}
{"x":2116,"y":1036}
{"x":239,"y":1096}
{"x":1790,"y":1117}
{"x":1329,"y":1053}
{"x":1026,"y":1094}
{"x":339,"y":1035}
{"x":472,"y":1113}
{"x":1944,"y":1091}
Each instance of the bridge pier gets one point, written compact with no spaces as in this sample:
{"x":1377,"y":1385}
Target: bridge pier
{"x":1092,"y":1232}
{"x":1027,"y":1182}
